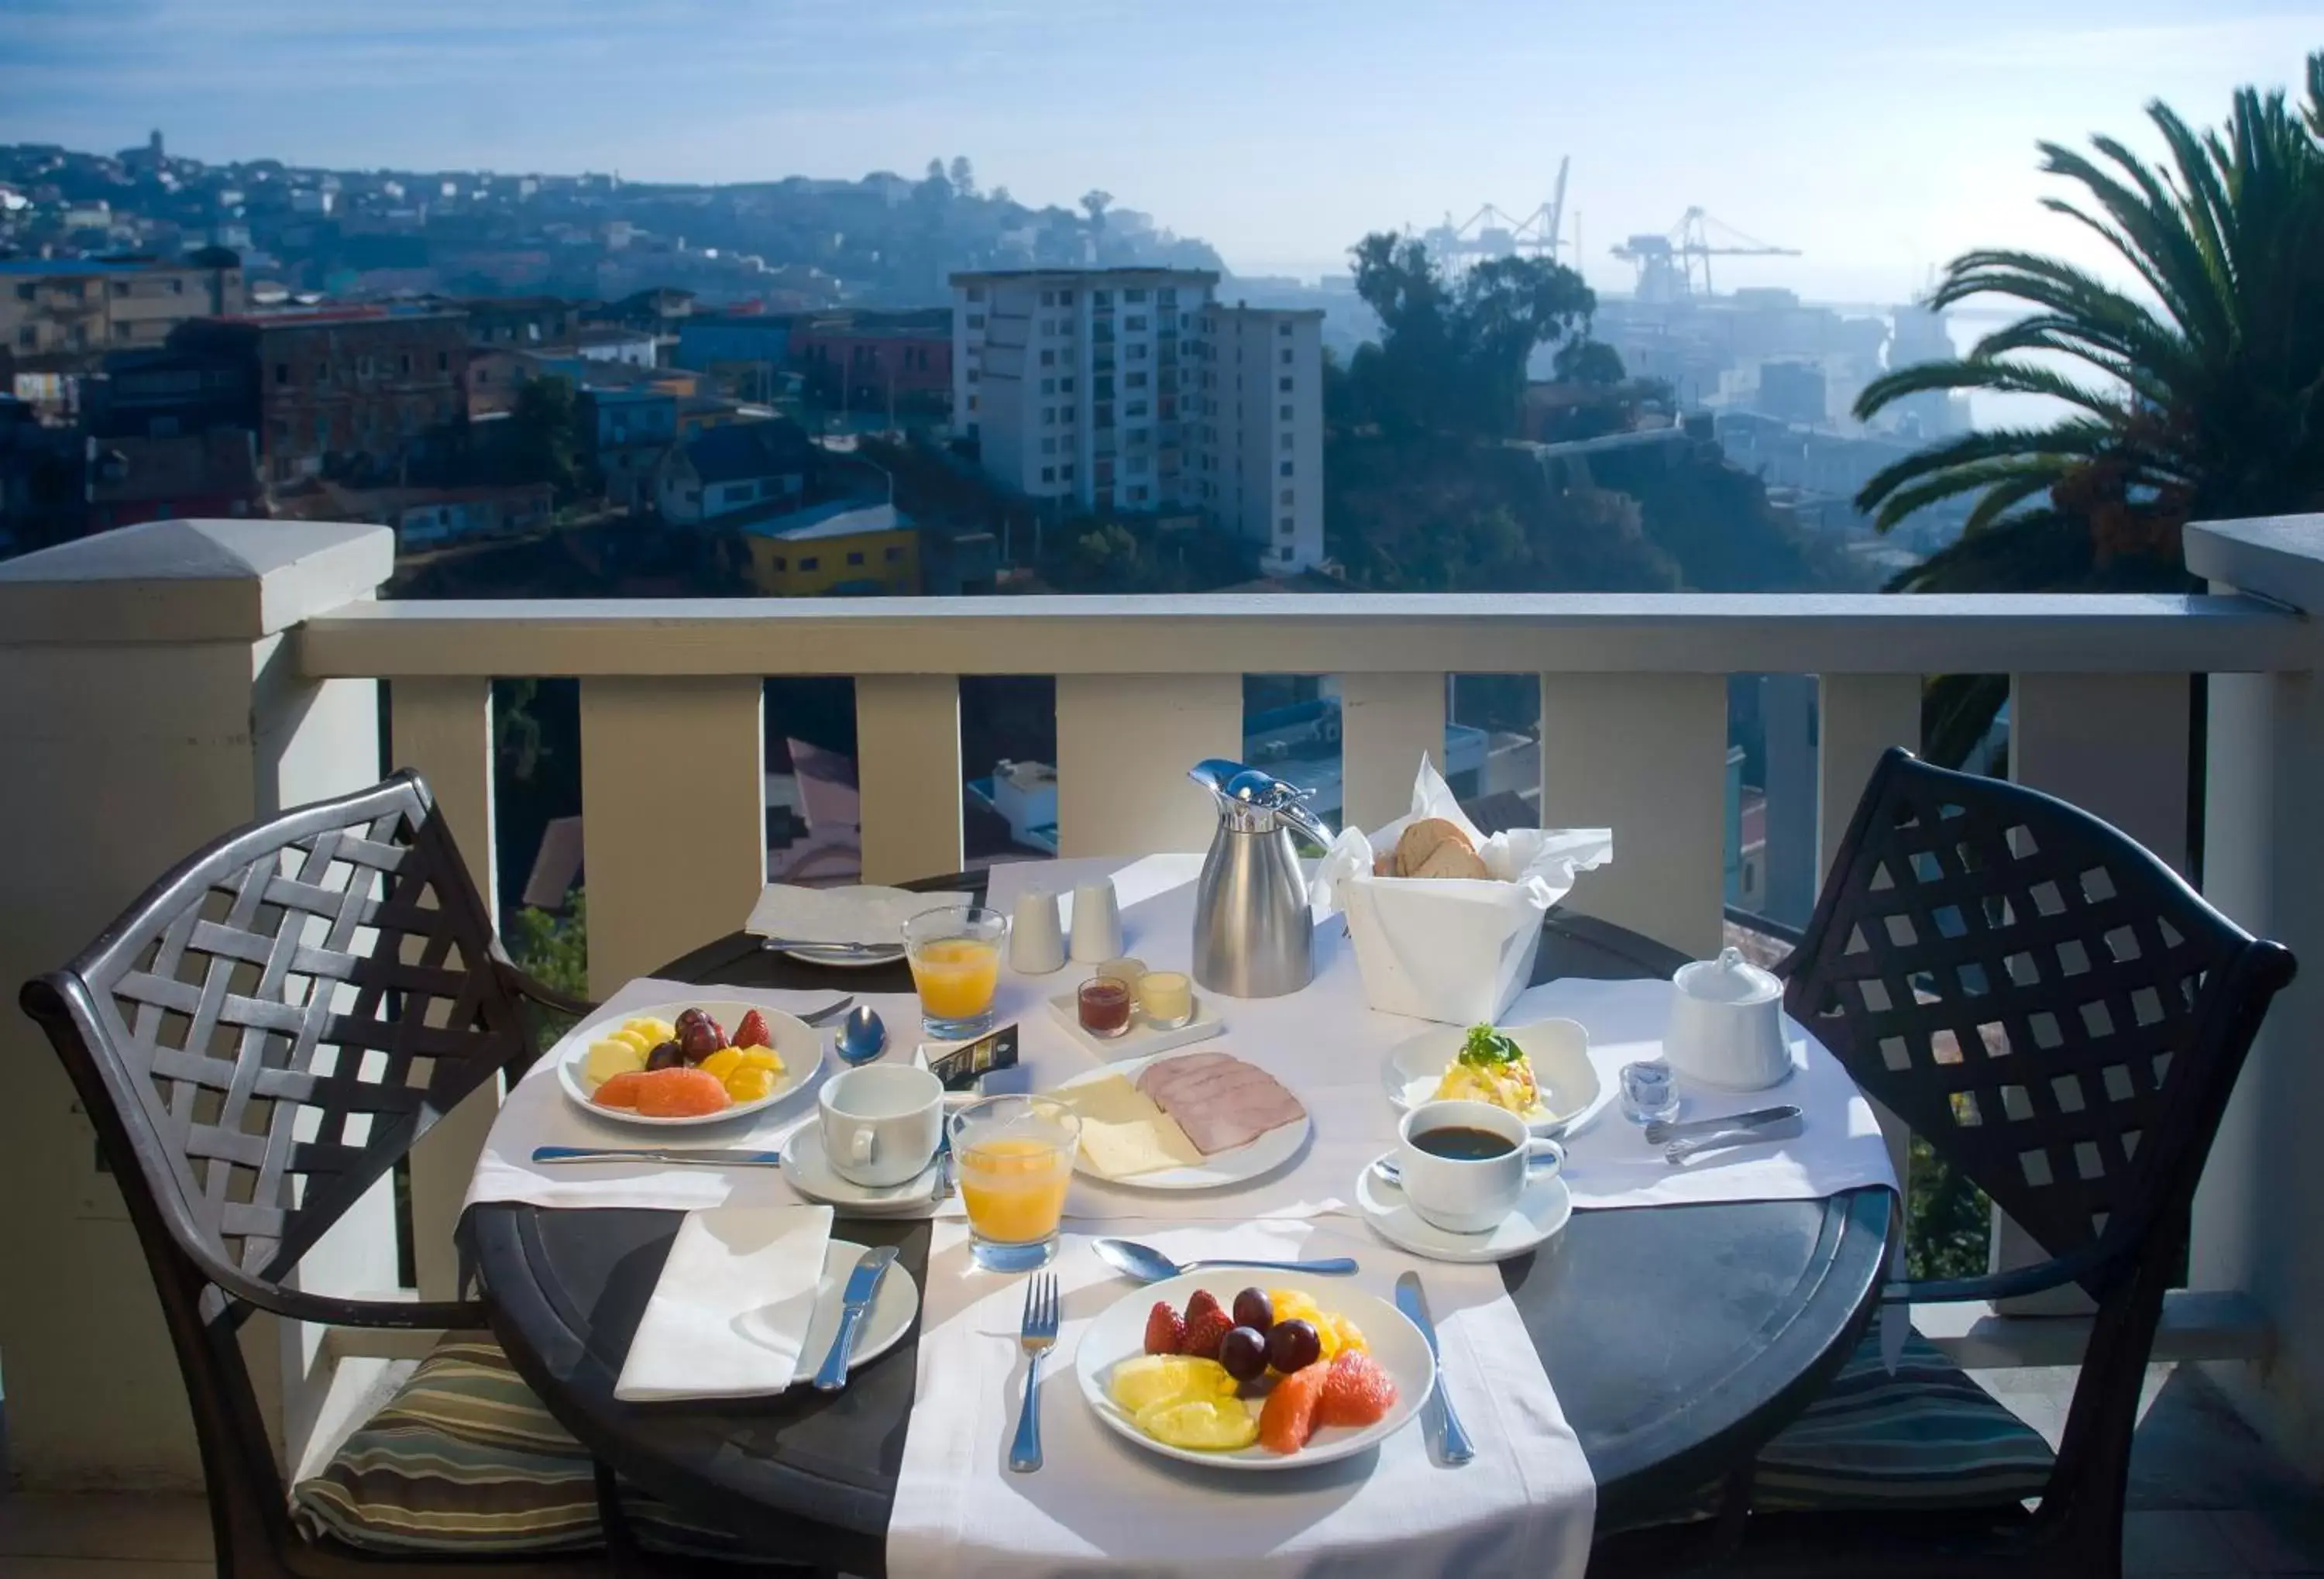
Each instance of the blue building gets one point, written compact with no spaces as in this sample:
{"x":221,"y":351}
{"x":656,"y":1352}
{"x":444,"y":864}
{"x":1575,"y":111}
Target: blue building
{"x":631,"y":430}
{"x":710,"y":340}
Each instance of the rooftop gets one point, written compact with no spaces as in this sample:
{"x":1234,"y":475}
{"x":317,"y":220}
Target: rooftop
{"x":842,"y":518}
{"x":1137,"y":272}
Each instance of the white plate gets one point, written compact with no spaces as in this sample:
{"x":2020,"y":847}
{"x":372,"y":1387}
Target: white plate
{"x":1141,"y":1040}
{"x":1244,"y":1163}
{"x":845,"y":959}
{"x":811,"y":1174}
{"x":893,"y":1310}
{"x":1558,"y":1050}
{"x":798,"y":1044}
{"x":1540,"y":1212}
{"x":1119,"y":1334}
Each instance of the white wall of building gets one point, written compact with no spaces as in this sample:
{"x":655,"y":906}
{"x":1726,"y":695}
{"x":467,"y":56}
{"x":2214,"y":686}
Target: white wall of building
{"x":1131,"y":390}
{"x":1263,"y":431}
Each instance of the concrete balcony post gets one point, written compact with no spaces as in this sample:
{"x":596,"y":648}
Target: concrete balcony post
{"x":2263,"y":864}
{"x":149,"y":701}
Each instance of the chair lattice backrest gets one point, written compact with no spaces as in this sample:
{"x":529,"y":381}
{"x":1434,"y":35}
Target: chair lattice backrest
{"x":2053,"y":1009}
{"x":279,"y":1019}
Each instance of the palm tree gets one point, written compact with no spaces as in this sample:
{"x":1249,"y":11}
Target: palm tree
{"x":2199,"y":395}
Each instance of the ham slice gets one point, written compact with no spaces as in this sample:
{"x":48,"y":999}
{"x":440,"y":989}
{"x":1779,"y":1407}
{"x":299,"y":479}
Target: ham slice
{"x":1218,"y":1099}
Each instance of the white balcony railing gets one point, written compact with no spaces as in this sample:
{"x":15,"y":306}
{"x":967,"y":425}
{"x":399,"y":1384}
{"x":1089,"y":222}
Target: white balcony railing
{"x":166,"y":682}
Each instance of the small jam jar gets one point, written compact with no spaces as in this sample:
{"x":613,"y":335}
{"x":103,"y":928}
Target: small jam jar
{"x":1104,"y":1006}
{"x":1166,"y":998}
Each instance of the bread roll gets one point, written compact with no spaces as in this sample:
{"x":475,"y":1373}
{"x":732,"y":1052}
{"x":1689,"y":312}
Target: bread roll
{"x":1451,"y":858}
{"x":1384,"y":864}
{"x":1422,"y":839}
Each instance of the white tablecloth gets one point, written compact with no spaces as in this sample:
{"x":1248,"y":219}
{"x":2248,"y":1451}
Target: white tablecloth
{"x":1100,"y":1505}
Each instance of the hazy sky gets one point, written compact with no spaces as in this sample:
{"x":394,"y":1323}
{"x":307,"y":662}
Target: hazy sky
{"x":1879,"y":136}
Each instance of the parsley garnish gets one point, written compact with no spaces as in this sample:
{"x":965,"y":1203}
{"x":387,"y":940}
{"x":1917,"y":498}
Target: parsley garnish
{"x":1486,"y":1046}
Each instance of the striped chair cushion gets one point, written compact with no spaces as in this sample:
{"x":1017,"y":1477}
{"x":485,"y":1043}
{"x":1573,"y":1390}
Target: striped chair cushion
{"x":464,"y":1459}
{"x":1925,"y":1439}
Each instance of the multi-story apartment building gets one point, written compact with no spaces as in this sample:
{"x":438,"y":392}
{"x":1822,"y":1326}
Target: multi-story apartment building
{"x":343,"y":383}
{"x":1261,"y":408}
{"x":1103,"y":390}
{"x":80,"y":307}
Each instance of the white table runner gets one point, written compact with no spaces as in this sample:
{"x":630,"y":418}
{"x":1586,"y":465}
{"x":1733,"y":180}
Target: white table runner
{"x":1099,"y":1504}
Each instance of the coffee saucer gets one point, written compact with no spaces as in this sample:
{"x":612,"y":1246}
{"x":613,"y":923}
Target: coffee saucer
{"x":1542,"y":1210}
{"x":809,"y":1170}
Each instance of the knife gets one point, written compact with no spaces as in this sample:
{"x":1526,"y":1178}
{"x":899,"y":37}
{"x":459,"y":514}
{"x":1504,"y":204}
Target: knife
{"x":1414,"y":1306}
{"x":1778,"y":1128}
{"x":707,"y":1156}
{"x":862,"y":1283}
{"x":1660,"y":1132}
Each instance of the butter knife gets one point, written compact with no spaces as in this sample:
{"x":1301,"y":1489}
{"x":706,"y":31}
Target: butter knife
{"x":1410,"y":1300}
{"x":1660,"y":1132}
{"x":862,"y":1283}
{"x":706,"y":1156}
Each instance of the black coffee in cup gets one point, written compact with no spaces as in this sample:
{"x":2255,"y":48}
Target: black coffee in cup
{"x":1462,"y":1143}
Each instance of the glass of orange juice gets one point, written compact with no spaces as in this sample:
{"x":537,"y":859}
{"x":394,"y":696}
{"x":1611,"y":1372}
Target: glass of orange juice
{"x":955,"y":955}
{"x":1013,"y":1157}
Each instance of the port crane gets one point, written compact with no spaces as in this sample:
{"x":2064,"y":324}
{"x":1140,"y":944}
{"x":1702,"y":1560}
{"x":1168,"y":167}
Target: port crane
{"x":1666,"y":264}
{"x":1489,"y":233}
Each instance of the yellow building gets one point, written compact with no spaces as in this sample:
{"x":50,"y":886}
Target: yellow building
{"x":847,"y":549}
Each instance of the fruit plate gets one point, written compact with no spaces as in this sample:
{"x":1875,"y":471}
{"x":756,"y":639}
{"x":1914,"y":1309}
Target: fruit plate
{"x":1270,"y":1151}
{"x":1119,"y":1334}
{"x":798,"y":1044}
{"x":1558,"y":1050}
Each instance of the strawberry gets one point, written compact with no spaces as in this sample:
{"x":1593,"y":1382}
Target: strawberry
{"x":1356,"y":1391}
{"x":1207,"y":1322}
{"x":1290,"y":1416}
{"x":1166,"y":1331}
{"x":752,"y":1033}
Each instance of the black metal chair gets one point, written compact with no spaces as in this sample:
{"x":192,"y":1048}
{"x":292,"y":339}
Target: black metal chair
{"x":258,"y":1040}
{"x":2063,"y":1018}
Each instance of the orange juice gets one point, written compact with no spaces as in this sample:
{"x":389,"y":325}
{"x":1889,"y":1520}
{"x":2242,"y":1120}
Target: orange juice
{"x":956,"y":976}
{"x":1014,"y":1189}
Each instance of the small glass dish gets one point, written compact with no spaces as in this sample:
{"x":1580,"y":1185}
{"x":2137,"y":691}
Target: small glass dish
{"x":1648,"y":1093}
{"x":1103,"y":1004}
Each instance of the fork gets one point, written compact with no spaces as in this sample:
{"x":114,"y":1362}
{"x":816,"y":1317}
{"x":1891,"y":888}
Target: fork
{"x":1039,"y":1332}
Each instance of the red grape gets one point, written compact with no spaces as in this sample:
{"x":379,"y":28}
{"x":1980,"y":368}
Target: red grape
{"x":1253,"y":1309}
{"x":1243,"y":1352}
{"x":1292,"y":1345}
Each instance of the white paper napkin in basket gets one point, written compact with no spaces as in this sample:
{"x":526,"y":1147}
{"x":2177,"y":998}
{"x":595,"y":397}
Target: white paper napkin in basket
{"x":1524,"y":1506}
{"x":732,"y":1307}
{"x":865,"y":913}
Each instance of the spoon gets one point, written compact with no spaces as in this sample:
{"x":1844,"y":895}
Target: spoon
{"x":862,"y":1036}
{"x":1148,"y":1265}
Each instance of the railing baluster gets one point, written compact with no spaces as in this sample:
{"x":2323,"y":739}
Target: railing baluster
{"x":673,"y":805}
{"x":1388,"y":722}
{"x":2116,"y":746}
{"x":908,"y":774}
{"x":444,"y":728}
{"x":1124,"y":743}
{"x":1861,"y":715}
{"x":1645,"y":754}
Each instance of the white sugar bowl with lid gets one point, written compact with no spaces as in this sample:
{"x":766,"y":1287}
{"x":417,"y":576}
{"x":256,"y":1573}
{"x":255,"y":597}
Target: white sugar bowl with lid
{"x":1726,"y":1024}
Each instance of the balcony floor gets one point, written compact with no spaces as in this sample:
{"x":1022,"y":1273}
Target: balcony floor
{"x":2207,"y":1500}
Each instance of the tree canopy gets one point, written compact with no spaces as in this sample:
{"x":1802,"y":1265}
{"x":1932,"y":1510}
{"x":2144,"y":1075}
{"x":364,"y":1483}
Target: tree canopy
{"x":2198,"y":393}
{"x":1452,"y":350}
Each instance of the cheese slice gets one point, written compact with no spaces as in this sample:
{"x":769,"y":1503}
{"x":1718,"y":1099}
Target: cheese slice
{"x":1123,"y":1132}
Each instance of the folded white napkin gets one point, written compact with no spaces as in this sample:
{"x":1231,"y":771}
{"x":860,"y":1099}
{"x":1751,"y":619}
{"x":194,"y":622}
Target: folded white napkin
{"x":732,"y":1309}
{"x":862,"y":914}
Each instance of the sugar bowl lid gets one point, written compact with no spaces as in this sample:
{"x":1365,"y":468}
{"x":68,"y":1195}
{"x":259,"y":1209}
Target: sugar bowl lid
{"x":1728,"y":979}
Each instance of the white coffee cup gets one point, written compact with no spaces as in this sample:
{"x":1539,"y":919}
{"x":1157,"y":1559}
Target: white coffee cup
{"x":1097,"y":921}
{"x":881,"y":1124}
{"x":1037,"y":938}
{"x":1470,"y":1195}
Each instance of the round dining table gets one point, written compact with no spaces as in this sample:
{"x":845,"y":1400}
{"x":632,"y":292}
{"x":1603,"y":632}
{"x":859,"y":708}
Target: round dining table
{"x":1679,"y":1338}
